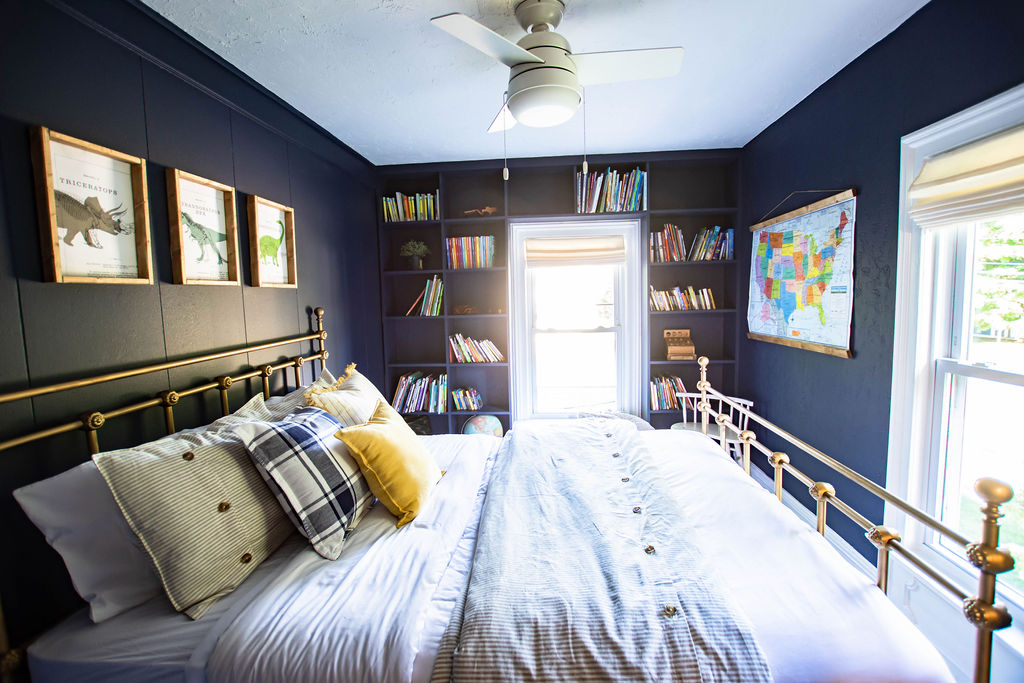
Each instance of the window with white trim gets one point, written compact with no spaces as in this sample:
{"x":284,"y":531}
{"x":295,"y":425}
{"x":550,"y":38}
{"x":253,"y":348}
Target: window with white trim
{"x":575,"y":320}
{"x":958,"y":362}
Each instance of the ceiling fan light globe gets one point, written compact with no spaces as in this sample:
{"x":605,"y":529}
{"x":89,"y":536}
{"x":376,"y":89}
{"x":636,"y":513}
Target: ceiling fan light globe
{"x":545,"y":105}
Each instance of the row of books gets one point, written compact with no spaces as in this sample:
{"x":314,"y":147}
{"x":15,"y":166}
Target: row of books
{"x":422,"y":206}
{"x":713,"y":244}
{"x":667,"y":245}
{"x":471,"y":252}
{"x":663,"y":393}
{"x":467,"y":399}
{"x":679,"y":299}
{"x":611,"y":191}
{"x":468,"y":350}
{"x":429,"y":298}
{"x":417,"y":392}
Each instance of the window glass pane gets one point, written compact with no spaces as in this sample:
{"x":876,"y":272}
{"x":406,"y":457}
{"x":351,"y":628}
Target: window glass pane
{"x":574,"y":297}
{"x":575,"y":371}
{"x":978,"y":446}
{"x":997,"y":301}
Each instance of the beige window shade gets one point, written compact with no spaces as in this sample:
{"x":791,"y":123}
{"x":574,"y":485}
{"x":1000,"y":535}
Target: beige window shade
{"x":559,"y":251}
{"x":975,"y":181}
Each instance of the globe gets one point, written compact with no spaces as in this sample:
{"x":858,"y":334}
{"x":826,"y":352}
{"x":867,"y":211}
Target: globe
{"x":483,"y":424}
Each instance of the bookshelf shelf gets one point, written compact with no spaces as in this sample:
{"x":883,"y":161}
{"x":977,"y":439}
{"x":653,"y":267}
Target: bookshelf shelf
{"x":690,"y":190}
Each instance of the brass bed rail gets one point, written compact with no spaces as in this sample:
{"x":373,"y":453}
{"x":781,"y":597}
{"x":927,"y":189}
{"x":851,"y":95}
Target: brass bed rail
{"x":990,"y":560}
{"x":91,"y":422}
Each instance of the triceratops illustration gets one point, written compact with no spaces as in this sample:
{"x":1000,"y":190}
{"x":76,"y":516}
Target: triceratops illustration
{"x":80,"y":217}
{"x":204,"y":237}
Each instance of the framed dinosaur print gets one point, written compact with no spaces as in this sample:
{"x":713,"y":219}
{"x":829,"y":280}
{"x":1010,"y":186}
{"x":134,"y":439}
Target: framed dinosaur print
{"x":204,"y":230}
{"x":271,"y":243}
{"x":93,"y":213}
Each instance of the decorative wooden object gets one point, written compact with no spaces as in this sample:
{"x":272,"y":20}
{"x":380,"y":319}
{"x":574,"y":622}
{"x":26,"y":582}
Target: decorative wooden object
{"x":71,"y":192}
{"x":186,"y":225}
{"x":265,"y":247}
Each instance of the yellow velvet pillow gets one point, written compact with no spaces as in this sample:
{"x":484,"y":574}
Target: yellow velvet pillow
{"x":396,"y":464}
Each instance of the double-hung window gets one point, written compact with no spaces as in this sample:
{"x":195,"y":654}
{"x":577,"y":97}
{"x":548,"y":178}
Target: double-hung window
{"x":576,"y":320}
{"x":958,"y":361}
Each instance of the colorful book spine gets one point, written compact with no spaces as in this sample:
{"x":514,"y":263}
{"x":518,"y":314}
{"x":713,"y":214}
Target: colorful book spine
{"x":422,"y":206}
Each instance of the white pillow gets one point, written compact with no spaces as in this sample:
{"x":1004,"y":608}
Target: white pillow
{"x":75,"y":510}
{"x":77,"y":513}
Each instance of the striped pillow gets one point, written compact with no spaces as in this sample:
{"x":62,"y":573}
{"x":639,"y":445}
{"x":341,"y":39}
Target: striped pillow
{"x":200,"y":509}
{"x":312,"y":474}
{"x":352,"y":399}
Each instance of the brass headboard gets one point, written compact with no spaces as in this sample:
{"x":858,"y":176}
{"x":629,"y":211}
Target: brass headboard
{"x":92,"y":422}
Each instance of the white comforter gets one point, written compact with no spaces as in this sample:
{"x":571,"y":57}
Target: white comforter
{"x":378,"y":613}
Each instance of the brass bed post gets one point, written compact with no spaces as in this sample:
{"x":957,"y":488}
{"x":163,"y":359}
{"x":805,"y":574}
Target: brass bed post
{"x":724,"y":422}
{"x":223,"y":382}
{"x":778,"y":461}
{"x":297,"y":367}
{"x":169,"y":399}
{"x":880,"y":537}
{"x":318,"y":312}
{"x":703,"y":386}
{"x":746,"y":436}
{"x":265,"y":372}
{"x":90,"y":423}
{"x":821,"y":491}
{"x":991,"y":561}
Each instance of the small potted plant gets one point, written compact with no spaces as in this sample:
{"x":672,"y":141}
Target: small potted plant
{"x":415,"y":250}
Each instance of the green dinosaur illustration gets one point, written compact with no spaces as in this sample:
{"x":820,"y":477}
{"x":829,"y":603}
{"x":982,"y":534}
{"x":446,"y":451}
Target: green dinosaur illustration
{"x":204,"y":237}
{"x":269,"y":246}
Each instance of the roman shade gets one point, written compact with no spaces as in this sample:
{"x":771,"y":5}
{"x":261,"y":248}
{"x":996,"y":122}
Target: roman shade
{"x":561,"y":251}
{"x":980,"y":179}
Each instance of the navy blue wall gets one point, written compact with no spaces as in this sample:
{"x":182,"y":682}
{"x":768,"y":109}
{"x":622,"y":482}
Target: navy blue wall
{"x":950,"y":55}
{"x":111,"y":73}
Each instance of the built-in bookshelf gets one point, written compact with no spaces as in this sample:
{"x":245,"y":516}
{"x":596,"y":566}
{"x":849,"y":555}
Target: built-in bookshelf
{"x":468,"y":242}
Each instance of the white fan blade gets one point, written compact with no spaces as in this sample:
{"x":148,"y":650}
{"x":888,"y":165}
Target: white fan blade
{"x":594,"y":68}
{"x":484,"y":39}
{"x":503,"y":121}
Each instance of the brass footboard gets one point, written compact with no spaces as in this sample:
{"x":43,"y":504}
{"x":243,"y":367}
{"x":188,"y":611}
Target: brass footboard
{"x":92,"y":422}
{"x":990,"y":560}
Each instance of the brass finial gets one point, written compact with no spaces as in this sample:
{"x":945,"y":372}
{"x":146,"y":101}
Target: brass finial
{"x":821,"y":490}
{"x":319,"y":313}
{"x":993,"y":491}
{"x":881,"y":536}
{"x":93,"y":420}
{"x":703,"y":361}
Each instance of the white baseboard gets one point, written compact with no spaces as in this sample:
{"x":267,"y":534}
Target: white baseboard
{"x":836,"y":541}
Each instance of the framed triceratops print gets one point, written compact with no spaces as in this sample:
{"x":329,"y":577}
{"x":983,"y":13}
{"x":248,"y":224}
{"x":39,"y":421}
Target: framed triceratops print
{"x":204,"y":230}
{"x":271,"y":243}
{"x":93,"y":214}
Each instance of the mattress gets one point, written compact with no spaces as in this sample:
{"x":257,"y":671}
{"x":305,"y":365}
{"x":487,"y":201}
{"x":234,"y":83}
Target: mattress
{"x":379,"y":611}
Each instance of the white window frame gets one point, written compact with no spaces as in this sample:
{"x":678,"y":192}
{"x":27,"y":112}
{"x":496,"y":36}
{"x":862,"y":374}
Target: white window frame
{"x":925,"y":326}
{"x":628,"y":313}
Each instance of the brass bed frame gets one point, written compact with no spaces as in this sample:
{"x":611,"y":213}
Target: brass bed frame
{"x":990,"y":560}
{"x":91,"y":423}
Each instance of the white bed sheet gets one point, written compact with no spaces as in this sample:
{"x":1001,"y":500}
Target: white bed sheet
{"x":154,"y":643}
{"x":814,"y":615}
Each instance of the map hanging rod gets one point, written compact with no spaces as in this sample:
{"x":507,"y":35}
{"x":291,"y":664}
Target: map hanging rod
{"x":784,"y":199}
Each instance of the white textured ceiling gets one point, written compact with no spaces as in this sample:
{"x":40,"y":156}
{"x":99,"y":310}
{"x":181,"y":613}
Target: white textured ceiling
{"x":384,"y":81}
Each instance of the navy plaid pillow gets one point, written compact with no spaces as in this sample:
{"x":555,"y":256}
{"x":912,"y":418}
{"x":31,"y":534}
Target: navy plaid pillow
{"x":312,"y":474}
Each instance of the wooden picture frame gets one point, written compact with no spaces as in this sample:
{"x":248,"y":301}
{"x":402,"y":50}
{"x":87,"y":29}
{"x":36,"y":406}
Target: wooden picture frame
{"x":791,"y":315}
{"x":202,"y":215}
{"x":91,"y":191}
{"x":271,"y":252}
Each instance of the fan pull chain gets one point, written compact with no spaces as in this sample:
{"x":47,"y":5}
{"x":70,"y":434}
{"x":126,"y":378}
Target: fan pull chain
{"x":583,"y":96}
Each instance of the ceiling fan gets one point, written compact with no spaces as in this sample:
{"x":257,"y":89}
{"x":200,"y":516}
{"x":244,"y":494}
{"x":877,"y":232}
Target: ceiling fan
{"x":546,"y":79}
